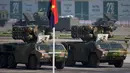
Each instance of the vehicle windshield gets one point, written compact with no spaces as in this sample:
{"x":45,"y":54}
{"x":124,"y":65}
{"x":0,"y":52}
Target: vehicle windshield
{"x":116,"y":46}
{"x":42,"y":47}
{"x":58,"y":47}
{"x":112,"y":45}
{"x":49,"y":47}
{"x":104,"y":46}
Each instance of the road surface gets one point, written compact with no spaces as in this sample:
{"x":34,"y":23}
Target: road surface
{"x":104,"y":68}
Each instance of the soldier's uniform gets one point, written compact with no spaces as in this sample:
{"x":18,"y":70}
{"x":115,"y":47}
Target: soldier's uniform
{"x":102,"y":39}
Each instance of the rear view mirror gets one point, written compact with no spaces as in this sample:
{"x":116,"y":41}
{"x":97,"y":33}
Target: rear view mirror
{"x":127,"y":45}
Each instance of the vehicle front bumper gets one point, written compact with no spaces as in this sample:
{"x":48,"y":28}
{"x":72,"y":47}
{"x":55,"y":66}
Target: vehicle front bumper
{"x":112,"y":58}
{"x":50,"y":59}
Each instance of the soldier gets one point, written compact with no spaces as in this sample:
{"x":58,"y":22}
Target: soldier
{"x":41,"y":14}
{"x":33,"y":34}
{"x":48,"y":31}
{"x":103,"y":39}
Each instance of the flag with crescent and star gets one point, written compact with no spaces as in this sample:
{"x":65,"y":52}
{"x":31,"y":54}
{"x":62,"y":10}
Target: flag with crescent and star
{"x":52,"y":13}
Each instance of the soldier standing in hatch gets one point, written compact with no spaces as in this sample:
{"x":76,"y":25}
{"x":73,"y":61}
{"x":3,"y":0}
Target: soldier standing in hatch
{"x":41,"y":14}
{"x":34,"y":34}
{"x":103,"y":39}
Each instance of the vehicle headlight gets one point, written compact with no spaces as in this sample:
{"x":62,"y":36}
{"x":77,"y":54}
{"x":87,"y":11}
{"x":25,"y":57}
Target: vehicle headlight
{"x":123,"y":53}
{"x":45,"y":55}
{"x":62,"y":54}
{"x":105,"y":53}
{"x":42,"y":54}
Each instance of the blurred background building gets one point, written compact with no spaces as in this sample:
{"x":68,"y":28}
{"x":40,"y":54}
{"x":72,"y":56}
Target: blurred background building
{"x":86,"y":10}
{"x":83,"y":9}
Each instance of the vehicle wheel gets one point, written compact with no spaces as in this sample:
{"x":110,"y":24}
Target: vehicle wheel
{"x":119,"y":64}
{"x":11,"y":62}
{"x":3,"y":61}
{"x":60,"y":65}
{"x":93,"y":60}
{"x":33,"y":63}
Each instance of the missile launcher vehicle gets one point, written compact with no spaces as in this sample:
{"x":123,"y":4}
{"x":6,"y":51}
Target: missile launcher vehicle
{"x":87,"y":51}
{"x":31,"y":51}
{"x":33,"y":55}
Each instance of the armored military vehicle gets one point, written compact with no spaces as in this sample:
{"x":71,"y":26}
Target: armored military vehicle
{"x":33,"y":55}
{"x":86,"y":51}
{"x":27,"y":52}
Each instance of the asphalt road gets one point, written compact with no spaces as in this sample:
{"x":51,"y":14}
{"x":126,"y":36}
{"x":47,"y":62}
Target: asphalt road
{"x":103,"y":68}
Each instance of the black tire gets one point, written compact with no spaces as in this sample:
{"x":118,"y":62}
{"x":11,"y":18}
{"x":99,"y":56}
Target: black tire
{"x":3,"y":61}
{"x":11,"y":62}
{"x":60,"y":65}
{"x":119,"y":63}
{"x":33,"y":63}
{"x":93,"y":60}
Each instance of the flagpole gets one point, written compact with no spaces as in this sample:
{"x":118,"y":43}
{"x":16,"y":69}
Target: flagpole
{"x":53,"y":50}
